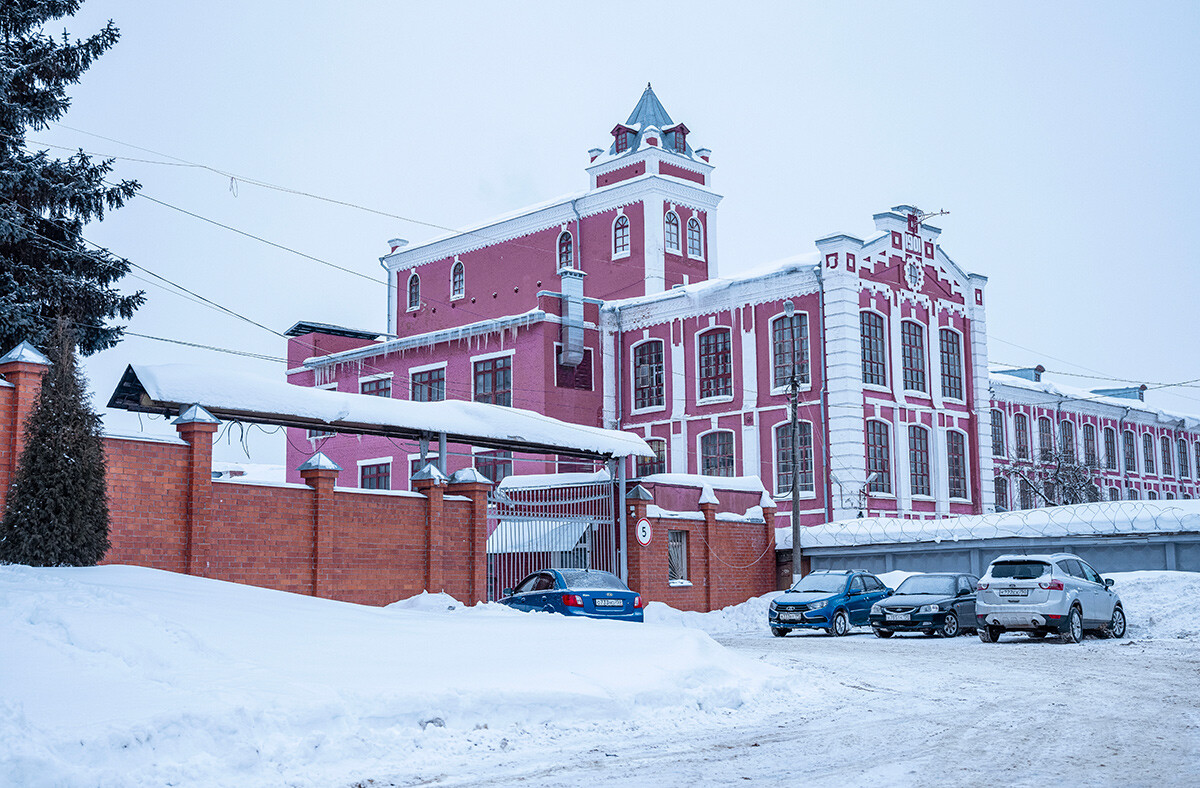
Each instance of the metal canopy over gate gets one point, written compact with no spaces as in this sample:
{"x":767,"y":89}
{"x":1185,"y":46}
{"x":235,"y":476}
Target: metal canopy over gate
{"x":569,"y":524}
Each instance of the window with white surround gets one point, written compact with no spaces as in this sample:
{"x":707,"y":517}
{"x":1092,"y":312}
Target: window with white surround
{"x":428,"y":385}
{"x":1131,"y":465}
{"x":783,"y":458}
{"x":621,"y":236}
{"x":716,"y":364}
{"x":658,"y":464}
{"x":375,"y":476}
{"x":1148,"y":452}
{"x":918,"y":460}
{"x":879,"y":458}
{"x":671,"y":232}
{"x":998,"y":442}
{"x":912,"y":347}
{"x":566,"y":250}
{"x":1021,"y":435}
{"x":1185,"y":470}
{"x":695,"y":239}
{"x":320,"y":434}
{"x":1028,"y":497}
{"x":874,"y":349}
{"x":1110,"y":448}
{"x":458,"y":280}
{"x":952,"y":373}
{"x":376,"y":385}
{"x":648,"y":390}
{"x":1167,"y":470}
{"x":1045,"y":438}
{"x":956,"y":463}
{"x":1089,"y":446}
{"x":493,"y":380}
{"x":787,"y":332}
{"x":1131,"y":494}
{"x":1114,"y":493}
{"x":1001,"y":488}
{"x":1066,"y":439}
{"x":414,"y":292}
{"x":716,"y":453}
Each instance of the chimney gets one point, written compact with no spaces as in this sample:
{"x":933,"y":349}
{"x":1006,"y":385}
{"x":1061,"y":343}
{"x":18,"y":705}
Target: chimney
{"x":704,"y":153}
{"x":595,"y":153}
{"x":397,"y":243}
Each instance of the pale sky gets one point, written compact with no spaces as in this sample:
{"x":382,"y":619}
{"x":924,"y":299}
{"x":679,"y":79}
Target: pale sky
{"x":1061,"y":137}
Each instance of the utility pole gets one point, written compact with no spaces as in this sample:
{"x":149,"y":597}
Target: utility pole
{"x":789,"y":310}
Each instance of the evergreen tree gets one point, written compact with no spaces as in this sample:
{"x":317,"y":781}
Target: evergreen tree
{"x":57,"y":508}
{"x":46,"y":270}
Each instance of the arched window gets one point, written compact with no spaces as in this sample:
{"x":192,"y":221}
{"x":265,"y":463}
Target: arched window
{"x":621,"y":236}
{"x":1001,"y":494}
{"x":695,"y":244}
{"x":784,"y":331}
{"x":1045,"y":438}
{"x":1066,"y":440}
{"x":952,"y":372}
{"x":716,"y":453}
{"x":1021,"y":437}
{"x":1185,"y":470}
{"x":1165,"y":443}
{"x":918,"y":460}
{"x":874,"y":349}
{"x":671,"y":225}
{"x":565,"y":251}
{"x":1148,"y":452}
{"x":648,"y":374}
{"x":1131,"y":494}
{"x":657,"y":464}
{"x":1110,"y":448}
{"x":458,"y":280}
{"x":783,"y":458}
{"x":879,"y":458}
{"x":1114,"y":494}
{"x":956,"y":464}
{"x":1089,"y":446}
{"x":1131,"y":465}
{"x":998,"y":447}
{"x":912,"y":351}
{"x":716,"y":364}
{"x":414,"y":292}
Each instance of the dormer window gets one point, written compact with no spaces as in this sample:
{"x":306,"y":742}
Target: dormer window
{"x":680,"y":142}
{"x":622,"y":140}
{"x":565,"y":255}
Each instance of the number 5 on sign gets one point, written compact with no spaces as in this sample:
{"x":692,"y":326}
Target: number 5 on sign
{"x":644,"y":533}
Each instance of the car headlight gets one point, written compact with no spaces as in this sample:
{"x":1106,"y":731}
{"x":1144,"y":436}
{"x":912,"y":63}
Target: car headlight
{"x":929,"y":609}
{"x":876,"y":609}
{"x":773,"y":608}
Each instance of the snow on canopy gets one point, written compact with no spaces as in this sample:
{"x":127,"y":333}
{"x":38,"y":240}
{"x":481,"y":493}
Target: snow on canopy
{"x":1112,"y":518}
{"x":237,"y":396}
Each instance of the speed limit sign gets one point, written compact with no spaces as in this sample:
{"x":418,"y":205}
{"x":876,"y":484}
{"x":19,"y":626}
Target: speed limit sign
{"x":644,"y":533}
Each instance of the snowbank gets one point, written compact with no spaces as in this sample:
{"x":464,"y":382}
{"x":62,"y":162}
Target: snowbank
{"x":129,"y":676}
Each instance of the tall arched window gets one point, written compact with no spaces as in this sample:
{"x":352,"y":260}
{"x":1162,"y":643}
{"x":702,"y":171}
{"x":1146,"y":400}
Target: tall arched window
{"x":1165,"y":443}
{"x":1148,"y":452}
{"x":1045,"y":438}
{"x":716,"y":364}
{"x":879,"y":458}
{"x":1021,"y":436}
{"x":716,"y":453}
{"x":646,"y":465}
{"x":912,"y":351}
{"x":621,"y":236}
{"x":786,"y":331}
{"x":918,"y":460}
{"x":1066,"y":440}
{"x":695,"y":244}
{"x":458,"y":280}
{"x":414,"y":292}
{"x":671,"y":228}
{"x":1110,"y":448}
{"x":1089,"y":446}
{"x":1185,"y":470}
{"x":1130,"y":452}
{"x":998,"y":447}
{"x":565,"y":251}
{"x":956,"y":464}
{"x":874,"y":348}
{"x":1001,"y":494}
{"x":783,"y":458}
{"x":952,"y":372}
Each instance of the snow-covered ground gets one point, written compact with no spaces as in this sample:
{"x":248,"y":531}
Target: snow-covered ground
{"x":128,"y":676}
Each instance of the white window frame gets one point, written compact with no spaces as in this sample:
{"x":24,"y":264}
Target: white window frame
{"x":720,"y":398}
{"x":931,"y":454}
{"x":453,"y":295}
{"x":430,"y":457}
{"x":891,"y":434}
{"x":700,"y":448}
{"x":666,"y":245}
{"x":633,"y":409}
{"x":695,"y":217}
{"x":487,"y":357}
{"x":612,"y":237}
{"x":1003,"y":434}
{"x":807,"y":349}
{"x":410,"y":306}
{"x":322,"y":435}
{"x":962,"y":361}
{"x":389,"y":461}
{"x":424,"y":368}
{"x":966,"y":464}
{"x":888,"y":371}
{"x":381,"y":376}
{"x":787,"y":496}
{"x":924,"y":393}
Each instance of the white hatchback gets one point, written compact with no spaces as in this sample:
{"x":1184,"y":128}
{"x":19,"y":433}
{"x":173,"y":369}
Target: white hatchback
{"x":1040,"y":594}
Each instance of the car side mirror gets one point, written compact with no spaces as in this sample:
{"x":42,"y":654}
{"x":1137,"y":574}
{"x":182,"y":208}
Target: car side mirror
{"x":1108,"y":582}
{"x":506,"y":592}
{"x":964,"y":592}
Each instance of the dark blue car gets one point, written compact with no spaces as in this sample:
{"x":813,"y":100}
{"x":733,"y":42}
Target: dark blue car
{"x":827,"y":599}
{"x":576,"y":592}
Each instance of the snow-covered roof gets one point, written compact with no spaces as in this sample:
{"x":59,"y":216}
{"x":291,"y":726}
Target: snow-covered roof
{"x":706,"y":289}
{"x":700,"y":481}
{"x":535,"y":480}
{"x":1109,"y":518}
{"x":24,"y":353}
{"x":1057,"y":391}
{"x":536,"y":536}
{"x":236,"y":396}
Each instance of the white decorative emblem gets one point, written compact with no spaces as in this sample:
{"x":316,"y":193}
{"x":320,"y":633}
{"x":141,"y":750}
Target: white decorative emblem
{"x":914,"y":274}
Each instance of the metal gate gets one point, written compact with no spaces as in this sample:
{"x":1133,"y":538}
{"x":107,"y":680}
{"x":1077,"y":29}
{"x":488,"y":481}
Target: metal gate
{"x":539,"y":527}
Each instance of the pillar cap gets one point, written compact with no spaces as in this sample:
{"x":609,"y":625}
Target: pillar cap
{"x":766,"y":501}
{"x":469,"y":476}
{"x":25,"y":353}
{"x":429,"y":472}
{"x":319,"y":462}
{"x":708,"y":496}
{"x":638,"y":493}
{"x":195,"y":414}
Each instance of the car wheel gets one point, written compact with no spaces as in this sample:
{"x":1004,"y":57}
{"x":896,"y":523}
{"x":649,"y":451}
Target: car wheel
{"x":1073,"y":631}
{"x":884,"y":633}
{"x":949,"y":627}
{"x":1116,"y":627}
{"x":990,"y":634}
{"x":779,"y":632}
{"x":840,"y":624}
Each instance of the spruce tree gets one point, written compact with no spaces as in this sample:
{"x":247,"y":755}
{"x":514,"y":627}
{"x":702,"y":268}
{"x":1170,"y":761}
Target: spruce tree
{"x":46,"y":270}
{"x":57,"y":508}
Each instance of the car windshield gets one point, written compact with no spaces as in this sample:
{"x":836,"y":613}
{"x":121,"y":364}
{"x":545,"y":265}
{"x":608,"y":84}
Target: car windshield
{"x":583,"y":580}
{"x":1019,"y":570}
{"x":825,"y":583}
{"x":924,"y":584}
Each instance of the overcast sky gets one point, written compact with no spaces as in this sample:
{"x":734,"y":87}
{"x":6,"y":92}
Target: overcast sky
{"x":1062,"y":139}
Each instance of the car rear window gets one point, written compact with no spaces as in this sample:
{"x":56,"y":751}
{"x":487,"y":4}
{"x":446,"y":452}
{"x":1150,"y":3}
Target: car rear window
{"x":1020,"y":570}
{"x":584,"y":580}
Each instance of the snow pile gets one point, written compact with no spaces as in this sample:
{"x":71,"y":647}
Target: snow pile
{"x":1159,"y":605}
{"x":748,"y":616}
{"x":129,"y":676}
{"x":1106,"y":518}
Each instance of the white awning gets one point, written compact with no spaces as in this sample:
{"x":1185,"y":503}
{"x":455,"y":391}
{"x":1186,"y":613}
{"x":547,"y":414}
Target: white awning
{"x":536,"y":536}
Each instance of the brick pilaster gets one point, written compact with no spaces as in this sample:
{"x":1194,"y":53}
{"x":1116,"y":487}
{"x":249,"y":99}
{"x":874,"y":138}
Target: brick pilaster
{"x":436,"y":557}
{"x":709,"y":510}
{"x":635,"y":509}
{"x":18,"y":401}
{"x":475,"y":537}
{"x":322,"y":481}
{"x":199,"y":437}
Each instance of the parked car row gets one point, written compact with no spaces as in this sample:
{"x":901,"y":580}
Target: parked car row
{"x":1035,"y":594}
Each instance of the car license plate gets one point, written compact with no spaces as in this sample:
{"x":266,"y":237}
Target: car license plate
{"x":1014,"y":592}
{"x":790,"y":616}
{"x":609,"y":603}
{"x":898,"y":617}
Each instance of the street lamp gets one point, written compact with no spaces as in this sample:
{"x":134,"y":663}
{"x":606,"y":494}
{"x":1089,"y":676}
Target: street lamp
{"x":789,"y":309}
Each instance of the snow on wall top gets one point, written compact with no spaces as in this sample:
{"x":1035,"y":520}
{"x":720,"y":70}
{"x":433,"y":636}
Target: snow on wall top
{"x":533,"y":480}
{"x":801,"y":263}
{"x":700,"y":481}
{"x":1056,"y":391}
{"x":239,"y":393}
{"x":1086,"y":519}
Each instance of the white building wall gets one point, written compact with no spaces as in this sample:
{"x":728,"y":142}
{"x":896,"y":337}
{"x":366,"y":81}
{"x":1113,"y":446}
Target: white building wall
{"x":976,"y":313}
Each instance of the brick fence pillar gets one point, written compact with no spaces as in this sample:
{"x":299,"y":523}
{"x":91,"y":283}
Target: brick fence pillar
{"x":431,"y":483}
{"x":22,"y":368}
{"x":767,"y":575}
{"x":196,"y":427}
{"x":321,"y":474}
{"x":474,"y":540}
{"x":637,"y":500}
{"x":709,"y":510}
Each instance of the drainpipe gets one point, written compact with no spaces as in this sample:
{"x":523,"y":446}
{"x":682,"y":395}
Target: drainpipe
{"x":828,"y":485}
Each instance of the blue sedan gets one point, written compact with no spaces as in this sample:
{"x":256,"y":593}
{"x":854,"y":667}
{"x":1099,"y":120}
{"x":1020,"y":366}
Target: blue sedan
{"x":576,"y":592}
{"x":826,"y":599}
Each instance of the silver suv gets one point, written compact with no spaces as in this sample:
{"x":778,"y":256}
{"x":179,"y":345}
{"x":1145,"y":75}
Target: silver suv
{"x":1040,"y":594}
